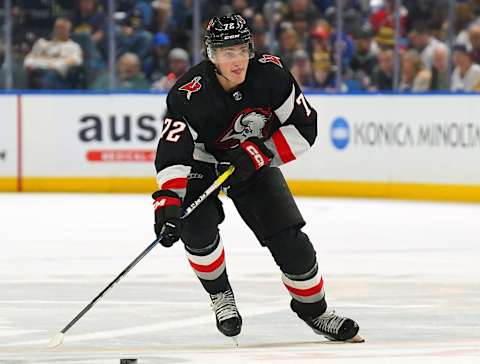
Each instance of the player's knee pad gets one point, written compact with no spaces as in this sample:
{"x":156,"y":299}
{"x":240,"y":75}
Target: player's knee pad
{"x":292,"y":250}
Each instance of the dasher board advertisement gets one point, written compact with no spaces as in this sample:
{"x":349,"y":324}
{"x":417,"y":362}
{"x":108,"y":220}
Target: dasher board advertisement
{"x":401,"y":139}
{"x":91,"y":135}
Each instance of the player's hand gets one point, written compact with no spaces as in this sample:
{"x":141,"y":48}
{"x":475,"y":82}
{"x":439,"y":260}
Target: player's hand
{"x":248,"y":157}
{"x":168,"y":225}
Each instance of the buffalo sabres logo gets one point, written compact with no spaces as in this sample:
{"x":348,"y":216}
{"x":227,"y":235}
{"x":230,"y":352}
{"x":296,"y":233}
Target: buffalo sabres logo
{"x":269,"y":58}
{"x":191,"y":87}
{"x":248,"y":123}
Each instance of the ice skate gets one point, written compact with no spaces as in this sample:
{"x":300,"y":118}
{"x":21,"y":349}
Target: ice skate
{"x":333,"y":327}
{"x":229,"y":321}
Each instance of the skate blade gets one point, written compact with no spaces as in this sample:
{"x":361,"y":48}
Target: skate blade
{"x":235,"y":341}
{"x":356,"y":339}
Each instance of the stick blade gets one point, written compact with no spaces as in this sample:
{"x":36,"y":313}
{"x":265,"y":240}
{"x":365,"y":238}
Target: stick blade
{"x":56,"y":341}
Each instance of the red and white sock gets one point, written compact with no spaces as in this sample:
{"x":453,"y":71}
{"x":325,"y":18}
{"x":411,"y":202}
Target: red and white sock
{"x":210,"y":266}
{"x":308,"y":290}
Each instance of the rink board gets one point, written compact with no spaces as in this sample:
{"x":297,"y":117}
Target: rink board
{"x":395,"y":146}
{"x":8,"y":143}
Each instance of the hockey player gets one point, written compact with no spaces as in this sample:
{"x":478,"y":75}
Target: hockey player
{"x":247,"y":110}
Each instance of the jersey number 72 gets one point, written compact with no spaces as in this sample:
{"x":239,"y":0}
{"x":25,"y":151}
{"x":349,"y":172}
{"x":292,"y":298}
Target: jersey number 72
{"x":172,"y":129}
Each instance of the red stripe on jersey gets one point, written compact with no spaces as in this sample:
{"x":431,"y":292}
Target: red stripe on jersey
{"x":166,"y":201}
{"x":308,"y":291}
{"x":175,"y":184}
{"x":283,"y":149}
{"x":210,"y":267}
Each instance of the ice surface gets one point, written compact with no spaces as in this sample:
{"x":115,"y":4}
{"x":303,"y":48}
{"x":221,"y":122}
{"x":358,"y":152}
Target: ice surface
{"x":408,"y":272}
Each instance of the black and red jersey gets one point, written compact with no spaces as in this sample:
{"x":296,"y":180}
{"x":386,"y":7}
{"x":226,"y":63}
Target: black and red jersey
{"x":203,"y":119}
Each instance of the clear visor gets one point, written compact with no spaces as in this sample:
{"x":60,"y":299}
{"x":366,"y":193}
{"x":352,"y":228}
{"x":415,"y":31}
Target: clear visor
{"x":230,"y":53}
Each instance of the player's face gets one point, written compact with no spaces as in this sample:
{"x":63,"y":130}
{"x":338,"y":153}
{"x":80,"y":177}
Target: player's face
{"x":232,"y":62}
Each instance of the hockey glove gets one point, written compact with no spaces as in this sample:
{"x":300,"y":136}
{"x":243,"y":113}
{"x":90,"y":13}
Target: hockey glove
{"x":167,"y":207}
{"x":248,"y":157}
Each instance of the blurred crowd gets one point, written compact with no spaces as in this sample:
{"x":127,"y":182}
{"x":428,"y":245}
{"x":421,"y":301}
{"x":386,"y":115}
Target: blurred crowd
{"x":63,"y":44}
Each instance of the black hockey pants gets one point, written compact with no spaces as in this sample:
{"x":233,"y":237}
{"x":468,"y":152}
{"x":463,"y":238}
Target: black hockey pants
{"x":267,"y":206}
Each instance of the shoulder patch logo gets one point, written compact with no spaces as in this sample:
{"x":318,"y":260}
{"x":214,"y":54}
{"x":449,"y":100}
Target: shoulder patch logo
{"x":269,"y":58}
{"x":191,"y":87}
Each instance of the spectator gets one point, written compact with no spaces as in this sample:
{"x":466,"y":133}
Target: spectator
{"x":179,"y":63}
{"x":352,"y":16}
{"x":463,"y":18}
{"x":385,"y":38}
{"x":440,"y":68}
{"x":303,"y":7}
{"x":50,"y":60}
{"x":302,"y":69}
{"x":259,"y":21}
{"x":466,"y":75}
{"x":346,"y":49}
{"x":364,"y":59}
{"x":175,"y":19}
{"x":385,"y":17}
{"x":474,"y":37}
{"x":288,"y":44}
{"x":415,"y":78}
{"x":301,"y":14}
{"x":157,"y":64}
{"x":163,"y":11}
{"x":319,"y":40}
{"x":259,"y":35}
{"x":88,"y":24}
{"x":301,"y":23}
{"x":133,"y":38}
{"x":382,"y":76}
{"x":243,"y":8}
{"x":424,"y":42}
{"x":323,"y":72}
{"x":129,"y":76}
{"x":425,"y":11}
{"x":141,"y":9}
{"x":90,"y":19}
{"x":274,"y":11}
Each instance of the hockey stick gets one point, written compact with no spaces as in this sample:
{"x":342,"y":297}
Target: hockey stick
{"x":57,"y":340}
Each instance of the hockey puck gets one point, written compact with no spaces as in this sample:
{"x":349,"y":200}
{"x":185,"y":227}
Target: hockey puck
{"x":128,"y":361}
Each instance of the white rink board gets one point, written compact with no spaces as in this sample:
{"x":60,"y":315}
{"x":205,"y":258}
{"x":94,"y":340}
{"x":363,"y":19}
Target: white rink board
{"x":65,"y":134}
{"x":416,"y":139}
{"x":8,"y":136}
{"x":387,"y":139}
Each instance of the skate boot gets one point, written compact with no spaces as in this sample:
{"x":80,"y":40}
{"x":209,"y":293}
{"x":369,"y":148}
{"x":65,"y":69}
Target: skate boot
{"x":332,"y":326}
{"x":229,"y":321}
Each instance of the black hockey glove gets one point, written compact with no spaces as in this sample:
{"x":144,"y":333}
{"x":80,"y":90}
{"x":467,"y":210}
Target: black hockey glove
{"x":167,"y":207}
{"x":248,"y":157}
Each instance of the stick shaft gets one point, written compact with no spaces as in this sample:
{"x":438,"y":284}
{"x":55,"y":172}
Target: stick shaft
{"x":216,"y":184}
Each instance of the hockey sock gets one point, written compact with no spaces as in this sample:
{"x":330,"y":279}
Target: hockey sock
{"x":308,"y":295}
{"x":209,"y":266}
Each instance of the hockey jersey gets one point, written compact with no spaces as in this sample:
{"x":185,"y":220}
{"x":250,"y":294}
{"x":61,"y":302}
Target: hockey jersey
{"x":203,"y":119}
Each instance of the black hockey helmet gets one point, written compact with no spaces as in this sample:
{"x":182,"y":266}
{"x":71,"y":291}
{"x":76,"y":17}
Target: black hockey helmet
{"x":227,"y":31}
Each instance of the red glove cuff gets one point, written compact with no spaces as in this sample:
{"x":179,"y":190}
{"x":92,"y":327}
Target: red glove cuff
{"x":164,"y":201}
